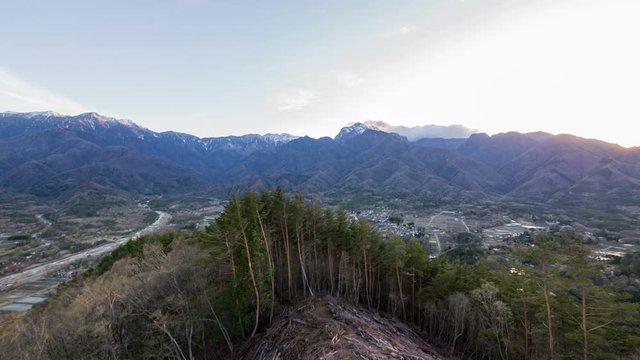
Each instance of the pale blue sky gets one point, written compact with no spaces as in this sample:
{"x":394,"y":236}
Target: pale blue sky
{"x":309,"y":67}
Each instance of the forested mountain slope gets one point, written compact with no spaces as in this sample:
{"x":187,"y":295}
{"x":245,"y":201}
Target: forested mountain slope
{"x":49,"y":155}
{"x":202,"y":294}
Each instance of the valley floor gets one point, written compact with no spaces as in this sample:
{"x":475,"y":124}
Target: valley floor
{"x":21,"y":290}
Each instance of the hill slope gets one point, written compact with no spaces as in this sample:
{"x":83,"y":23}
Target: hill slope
{"x":212,"y":294}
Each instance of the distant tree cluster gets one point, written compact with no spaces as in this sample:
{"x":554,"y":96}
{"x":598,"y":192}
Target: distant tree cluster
{"x":199,"y":295}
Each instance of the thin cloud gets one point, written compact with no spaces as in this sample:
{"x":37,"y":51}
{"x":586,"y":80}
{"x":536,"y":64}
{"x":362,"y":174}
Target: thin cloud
{"x":295,"y":101}
{"x":19,"y":95}
{"x":414,"y":133}
{"x":345,"y":78}
{"x":403,"y":30}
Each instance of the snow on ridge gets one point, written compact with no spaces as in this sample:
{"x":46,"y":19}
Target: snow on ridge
{"x":32,"y":114}
{"x":279,"y":138}
{"x":354,"y":129}
{"x":106,"y":120}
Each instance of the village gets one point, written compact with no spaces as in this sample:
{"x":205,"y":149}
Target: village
{"x":439,"y":230}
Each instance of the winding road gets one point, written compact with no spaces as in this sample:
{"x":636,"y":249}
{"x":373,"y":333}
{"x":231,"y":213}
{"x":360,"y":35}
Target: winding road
{"x":38,"y":271}
{"x":435,"y":233}
{"x":465,"y":224}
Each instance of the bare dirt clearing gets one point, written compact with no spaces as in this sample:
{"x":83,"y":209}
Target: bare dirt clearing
{"x":328,"y":328}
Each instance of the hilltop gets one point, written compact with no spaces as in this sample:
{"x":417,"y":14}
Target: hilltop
{"x":329,"y":328}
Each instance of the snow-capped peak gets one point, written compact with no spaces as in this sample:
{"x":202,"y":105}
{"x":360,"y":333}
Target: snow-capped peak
{"x":353,"y":129}
{"x":104,"y":120}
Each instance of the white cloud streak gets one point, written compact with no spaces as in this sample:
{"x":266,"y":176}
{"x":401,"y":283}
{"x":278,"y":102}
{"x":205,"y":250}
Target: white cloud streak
{"x":294,"y":101}
{"x":345,"y":78}
{"x":414,"y":133}
{"x":17,"y":94}
{"x":403,"y":30}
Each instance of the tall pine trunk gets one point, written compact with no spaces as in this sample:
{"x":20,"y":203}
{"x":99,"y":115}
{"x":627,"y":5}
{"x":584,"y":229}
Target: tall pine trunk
{"x":305,"y":280}
{"x":251,"y":273}
{"x":366,"y":277}
{"x":287,"y":247}
{"x":585,"y":328}
{"x":547,"y":302}
{"x":331,"y":270}
{"x":526,"y":330}
{"x":271,"y":269}
{"x":400,"y":289}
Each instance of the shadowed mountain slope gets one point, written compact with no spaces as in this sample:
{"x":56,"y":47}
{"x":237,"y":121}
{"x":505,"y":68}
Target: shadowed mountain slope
{"x":46,"y":154}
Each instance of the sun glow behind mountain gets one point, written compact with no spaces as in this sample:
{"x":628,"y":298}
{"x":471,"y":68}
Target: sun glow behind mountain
{"x":567,"y":66}
{"x":561,"y":67}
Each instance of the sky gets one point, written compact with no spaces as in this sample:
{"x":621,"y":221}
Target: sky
{"x":231,"y":67}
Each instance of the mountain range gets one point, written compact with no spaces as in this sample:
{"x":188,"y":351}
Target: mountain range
{"x":51,"y":155}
